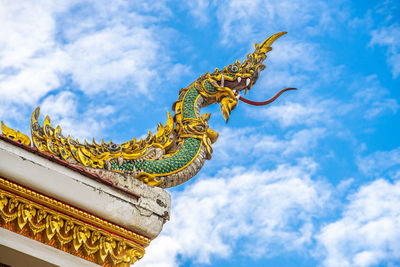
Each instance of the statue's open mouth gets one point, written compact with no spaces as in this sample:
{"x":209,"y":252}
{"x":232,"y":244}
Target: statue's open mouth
{"x":237,"y":85}
{"x":245,"y":84}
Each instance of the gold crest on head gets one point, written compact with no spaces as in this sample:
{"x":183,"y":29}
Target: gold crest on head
{"x":239,"y":76}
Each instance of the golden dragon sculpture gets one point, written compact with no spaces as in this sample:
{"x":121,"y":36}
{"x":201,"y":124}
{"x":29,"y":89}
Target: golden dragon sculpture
{"x":179,"y":149}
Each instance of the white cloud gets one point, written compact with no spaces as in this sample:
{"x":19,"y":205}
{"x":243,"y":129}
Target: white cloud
{"x":60,"y":105}
{"x":389,"y":37}
{"x":379,"y":162}
{"x":290,"y":114}
{"x":268,"y":211}
{"x":63,"y":107}
{"x":83,"y":126}
{"x":368,"y":232}
{"x":248,"y":145}
{"x":344,"y":185}
{"x":312,"y":110}
{"x":304,"y":140}
{"x":379,"y":107}
{"x":27,"y":29}
{"x":30,"y":59}
{"x":197,"y":9}
{"x":115,"y":58}
{"x":240,"y":20}
{"x":104,"y":50}
{"x":370,"y":97}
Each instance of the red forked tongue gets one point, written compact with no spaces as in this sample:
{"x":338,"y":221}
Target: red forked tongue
{"x":263,"y":103}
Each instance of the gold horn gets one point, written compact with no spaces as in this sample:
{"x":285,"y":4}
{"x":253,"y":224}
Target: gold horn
{"x":266,"y":45}
{"x":259,"y":55}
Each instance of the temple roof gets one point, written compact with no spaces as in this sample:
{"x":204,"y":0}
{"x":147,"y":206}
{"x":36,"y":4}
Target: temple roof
{"x":120,"y":210}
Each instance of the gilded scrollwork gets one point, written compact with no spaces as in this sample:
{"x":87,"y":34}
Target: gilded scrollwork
{"x":66,"y":233}
{"x":15,"y":135}
{"x":39,"y":218}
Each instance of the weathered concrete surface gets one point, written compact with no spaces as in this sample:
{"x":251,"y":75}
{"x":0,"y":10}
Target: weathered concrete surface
{"x":147,"y":193}
{"x":144,"y":215}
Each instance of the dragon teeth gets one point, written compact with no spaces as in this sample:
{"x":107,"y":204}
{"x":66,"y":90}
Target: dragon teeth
{"x":222,"y":80}
{"x":120,"y":161}
{"x":239,"y":79}
{"x":245,"y":91}
{"x":134,"y":171}
{"x":247,"y":81}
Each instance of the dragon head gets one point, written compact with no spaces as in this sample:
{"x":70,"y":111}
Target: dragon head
{"x":242,"y":76}
{"x":235,"y":78}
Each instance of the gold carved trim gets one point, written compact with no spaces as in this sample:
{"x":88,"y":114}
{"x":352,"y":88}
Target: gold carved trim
{"x":63,"y":232}
{"x":15,"y":135}
{"x":71,"y":211}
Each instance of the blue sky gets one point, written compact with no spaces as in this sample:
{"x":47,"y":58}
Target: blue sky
{"x":311,"y":180}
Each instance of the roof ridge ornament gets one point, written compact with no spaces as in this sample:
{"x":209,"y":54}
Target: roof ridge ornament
{"x":15,"y":135}
{"x":180,"y":147}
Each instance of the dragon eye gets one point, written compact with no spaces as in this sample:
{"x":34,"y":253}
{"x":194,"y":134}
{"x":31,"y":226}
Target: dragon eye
{"x":234,"y":68}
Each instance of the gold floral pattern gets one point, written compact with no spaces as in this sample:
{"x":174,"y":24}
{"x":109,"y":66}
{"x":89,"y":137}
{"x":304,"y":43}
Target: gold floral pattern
{"x":57,"y":229}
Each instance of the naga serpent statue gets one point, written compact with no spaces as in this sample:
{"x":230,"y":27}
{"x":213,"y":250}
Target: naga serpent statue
{"x":179,"y":149}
